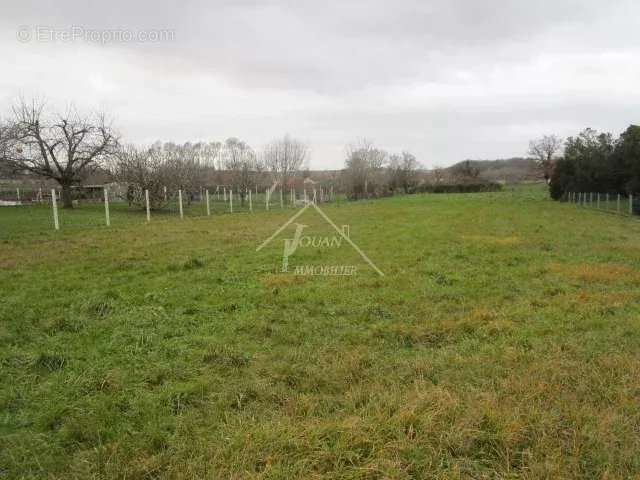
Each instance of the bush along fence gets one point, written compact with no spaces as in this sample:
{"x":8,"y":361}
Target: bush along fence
{"x":104,"y":206}
{"x":475,"y":187}
{"x":628,"y":205}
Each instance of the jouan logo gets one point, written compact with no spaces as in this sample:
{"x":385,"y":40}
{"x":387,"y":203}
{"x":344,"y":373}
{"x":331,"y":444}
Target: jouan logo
{"x":303,"y":241}
{"x":300,"y":240}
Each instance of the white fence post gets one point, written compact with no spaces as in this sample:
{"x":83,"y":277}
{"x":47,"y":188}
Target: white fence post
{"x":281,"y":199}
{"x":206,"y":192}
{"x":231,"y":200}
{"x":250,"y":202}
{"x":106,"y":208}
{"x":54,"y":205}
{"x":18,"y":194}
{"x":224,"y":192}
{"x":146,"y":201}
{"x":180,"y":203}
{"x":165,"y":194}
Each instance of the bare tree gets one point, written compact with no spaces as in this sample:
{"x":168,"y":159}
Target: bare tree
{"x":438,"y":174}
{"x":362,"y":168}
{"x":171,"y":166}
{"x":403,"y":171}
{"x":185,"y":164}
{"x":63,"y":148}
{"x":208,"y":154}
{"x":544,"y":150}
{"x":241,"y":163}
{"x":284,"y":157}
{"x":144,"y":169}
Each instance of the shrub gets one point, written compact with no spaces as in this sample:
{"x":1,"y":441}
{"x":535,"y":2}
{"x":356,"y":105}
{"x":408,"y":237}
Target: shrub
{"x":460,"y":187}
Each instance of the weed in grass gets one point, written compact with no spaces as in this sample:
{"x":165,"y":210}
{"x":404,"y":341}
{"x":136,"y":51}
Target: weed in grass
{"x":226,"y":357}
{"x":50,"y":362}
{"x":192,"y":263}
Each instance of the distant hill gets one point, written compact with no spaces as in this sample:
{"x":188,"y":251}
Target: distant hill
{"x":510,"y":170}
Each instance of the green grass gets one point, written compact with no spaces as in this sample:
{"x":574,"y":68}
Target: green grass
{"x":502,"y":342}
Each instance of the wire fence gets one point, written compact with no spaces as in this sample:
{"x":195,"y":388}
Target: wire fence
{"x":628,"y":205}
{"x":33,"y":211}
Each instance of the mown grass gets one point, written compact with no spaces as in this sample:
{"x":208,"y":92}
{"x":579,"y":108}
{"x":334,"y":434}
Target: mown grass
{"x":502,"y":342}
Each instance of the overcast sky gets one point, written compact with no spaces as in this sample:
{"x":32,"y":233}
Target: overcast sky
{"x":444,"y":79}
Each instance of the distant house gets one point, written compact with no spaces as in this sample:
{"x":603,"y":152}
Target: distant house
{"x":96,"y":192}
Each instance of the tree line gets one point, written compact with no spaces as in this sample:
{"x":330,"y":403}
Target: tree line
{"x":598,"y":162}
{"x":69,"y":147}
{"x":373,"y":172}
{"x":591,"y":161}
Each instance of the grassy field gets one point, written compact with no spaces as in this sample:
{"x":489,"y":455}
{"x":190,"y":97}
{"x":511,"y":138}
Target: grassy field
{"x":502,"y":342}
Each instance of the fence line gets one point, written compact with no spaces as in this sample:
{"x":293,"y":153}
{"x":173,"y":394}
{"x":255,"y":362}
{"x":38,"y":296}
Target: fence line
{"x":605,"y":202}
{"x":31,"y":210}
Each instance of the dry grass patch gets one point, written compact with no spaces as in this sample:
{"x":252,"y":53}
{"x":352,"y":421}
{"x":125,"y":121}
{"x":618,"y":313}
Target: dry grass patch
{"x":272,"y":280}
{"x":597,"y":272}
{"x":493,"y":240}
